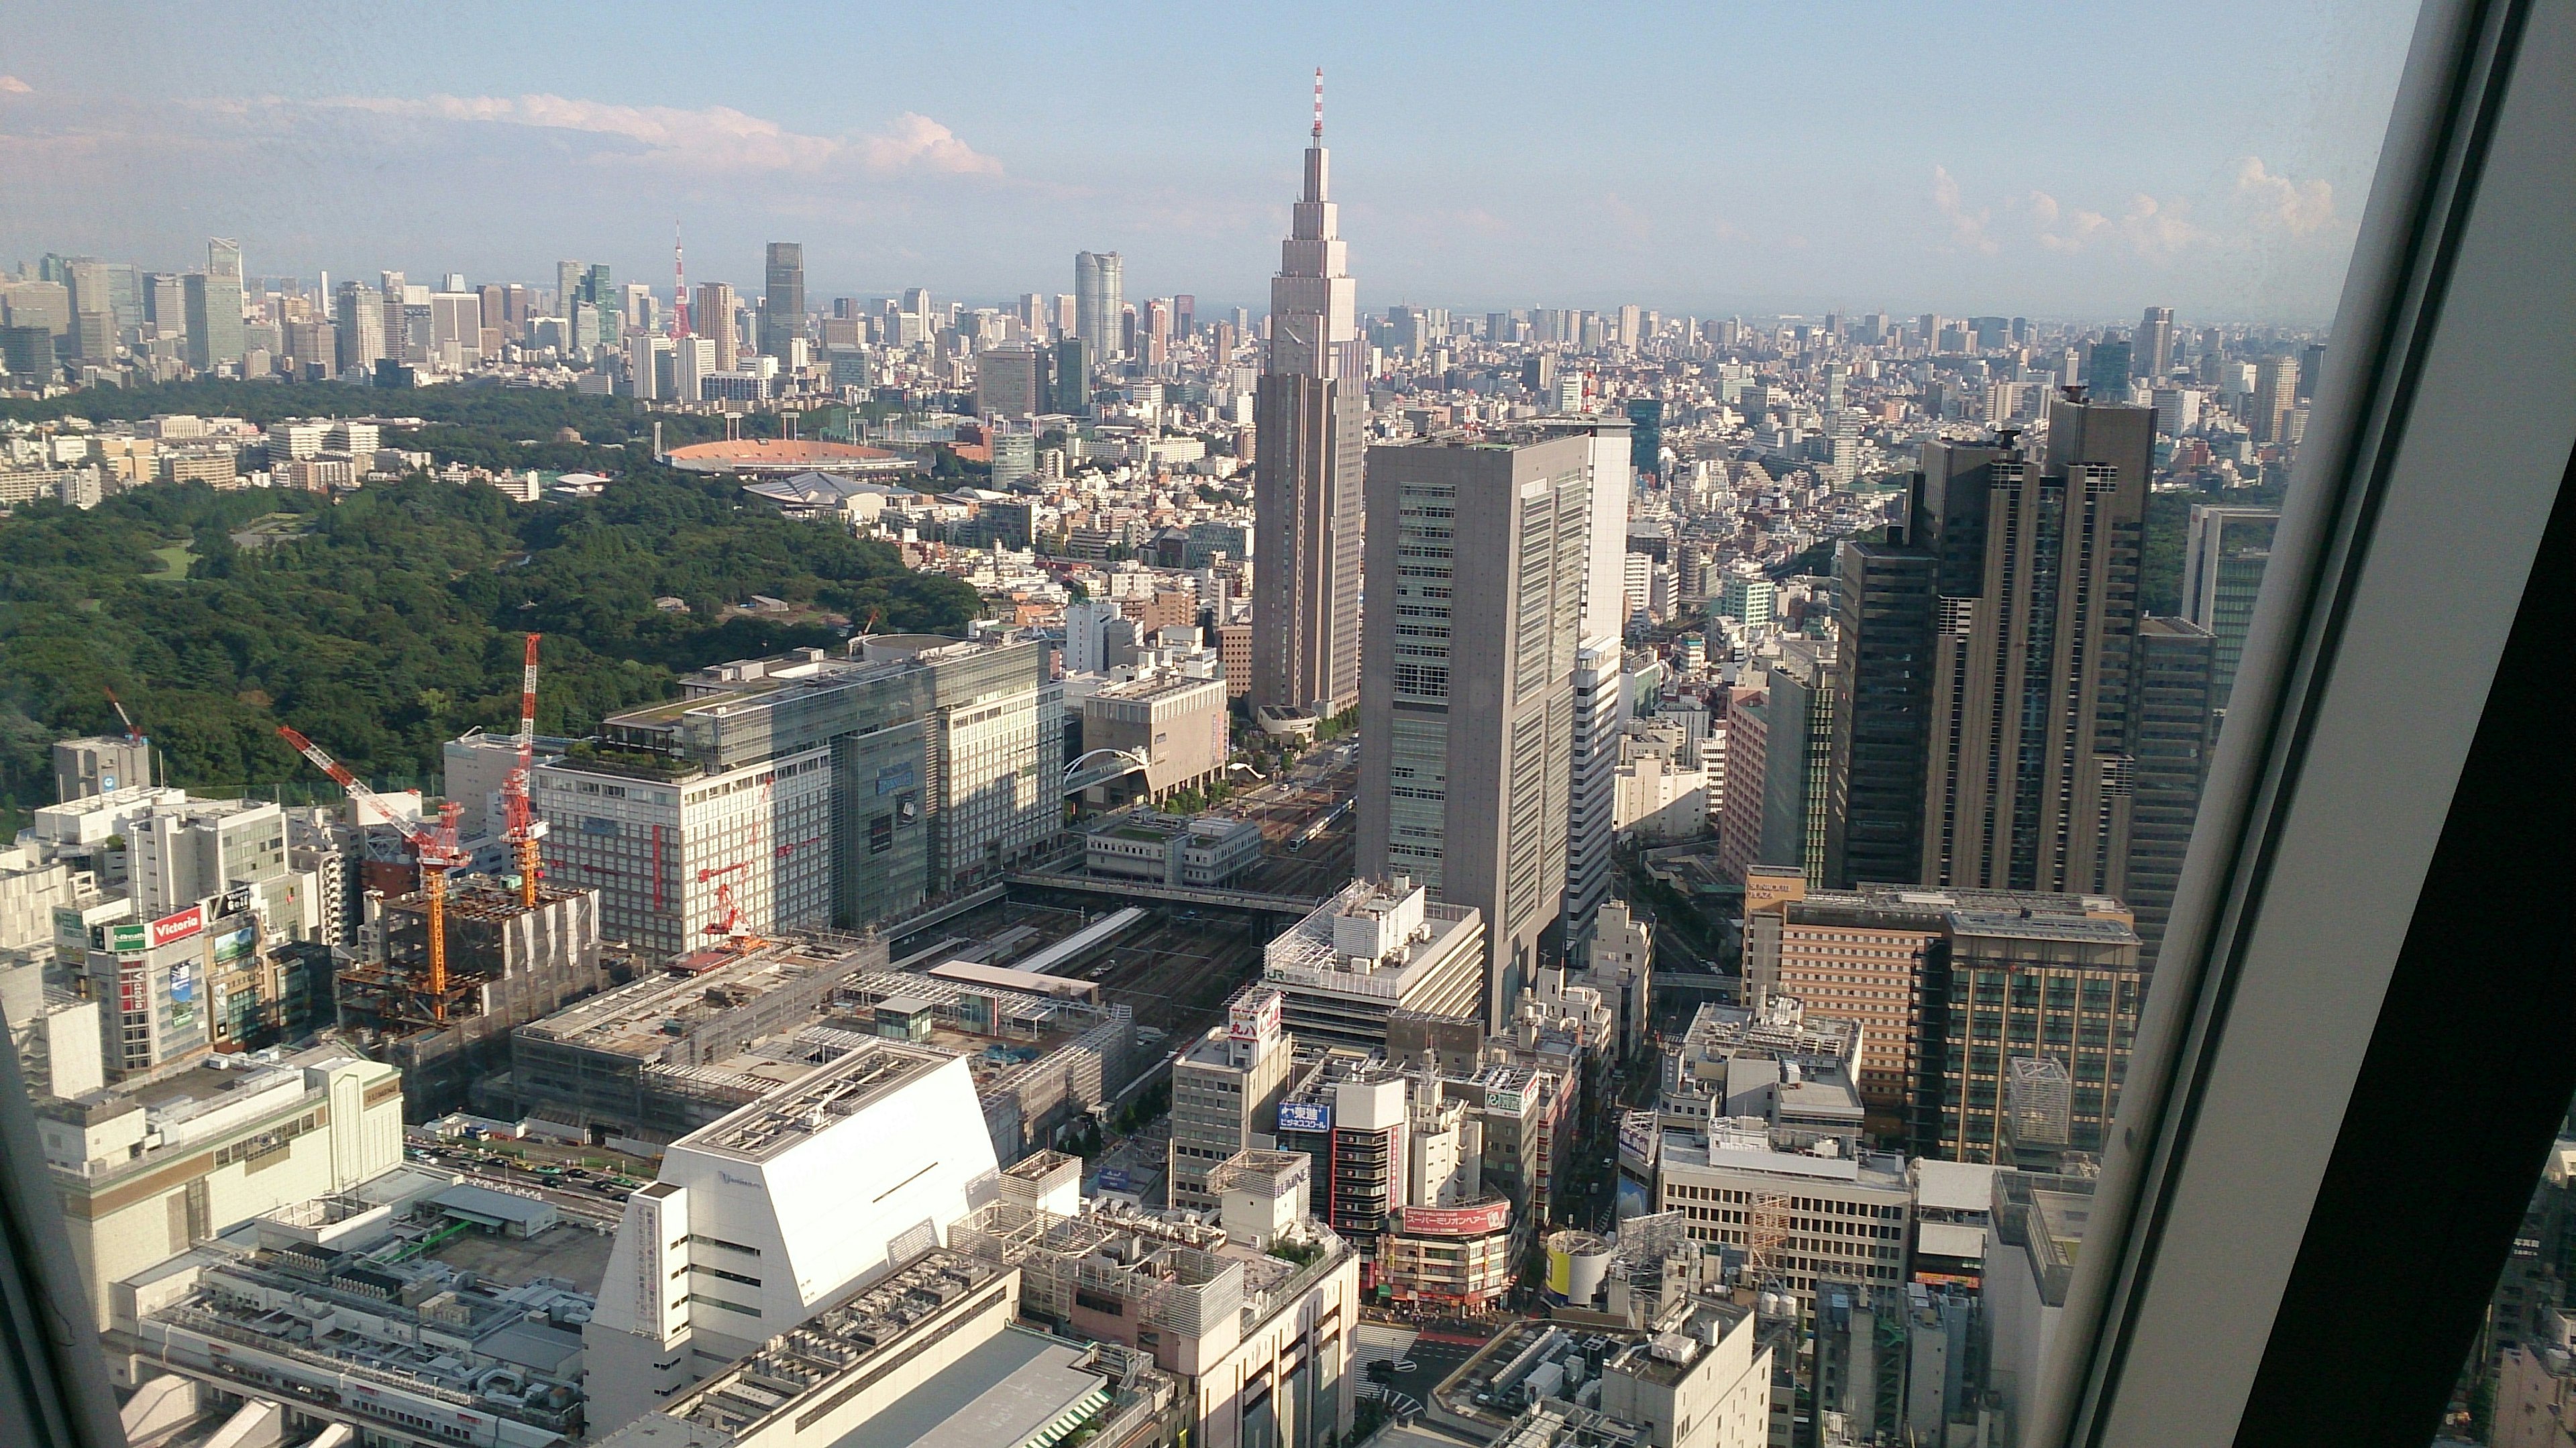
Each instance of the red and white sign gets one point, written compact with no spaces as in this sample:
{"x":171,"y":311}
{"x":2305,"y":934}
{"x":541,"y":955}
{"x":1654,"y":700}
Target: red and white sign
{"x":1472,"y":1221}
{"x":178,"y":926}
{"x":1255,"y":1019}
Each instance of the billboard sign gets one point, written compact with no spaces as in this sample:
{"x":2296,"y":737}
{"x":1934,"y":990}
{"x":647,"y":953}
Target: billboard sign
{"x":178,"y":925}
{"x":233,"y":945}
{"x":131,"y":938}
{"x":1305,"y":1116}
{"x":1469,"y":1221}
{"x":1255,"y":1019}
{"x":1114,"y":1179}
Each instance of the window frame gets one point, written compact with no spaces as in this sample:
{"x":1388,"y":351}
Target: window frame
{"x":2330,"y":1128}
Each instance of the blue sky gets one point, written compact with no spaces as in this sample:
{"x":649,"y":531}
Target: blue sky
{"x":2066,"y":160}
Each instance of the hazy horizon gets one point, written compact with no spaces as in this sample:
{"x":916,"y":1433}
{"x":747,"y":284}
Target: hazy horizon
{"x":1974,"y":159}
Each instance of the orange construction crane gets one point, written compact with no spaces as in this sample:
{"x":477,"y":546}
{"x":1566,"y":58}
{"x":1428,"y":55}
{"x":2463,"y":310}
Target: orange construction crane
{"x":434,"y":848}
{"x":525,"y":828}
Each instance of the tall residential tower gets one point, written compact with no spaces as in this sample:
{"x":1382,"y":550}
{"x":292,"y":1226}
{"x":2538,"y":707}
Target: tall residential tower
{"x":1310,"y":417}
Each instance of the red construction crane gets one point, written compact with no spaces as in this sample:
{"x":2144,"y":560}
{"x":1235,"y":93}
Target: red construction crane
{"x":525,"y":829}
{"x":435,"y":849}
{"x":132,"y":734}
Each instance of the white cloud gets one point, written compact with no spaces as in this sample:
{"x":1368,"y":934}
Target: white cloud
{"x":1967,"y":228}
{"x":10,"y":85}
{"x":716,"y":139}
{"x":2298,"y":206}
{"x":2149,"y":227}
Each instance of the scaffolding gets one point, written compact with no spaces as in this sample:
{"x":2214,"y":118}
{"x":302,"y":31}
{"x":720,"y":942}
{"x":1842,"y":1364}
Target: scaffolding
{"x":1766,"y":1232}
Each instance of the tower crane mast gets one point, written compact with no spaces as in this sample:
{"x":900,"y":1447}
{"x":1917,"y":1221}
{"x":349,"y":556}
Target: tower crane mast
{"x":525,"y":829}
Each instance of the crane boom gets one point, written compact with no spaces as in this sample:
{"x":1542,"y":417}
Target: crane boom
{"x":132,"y":734}
{"x":436,"y":851}
{"x":419,"y":838}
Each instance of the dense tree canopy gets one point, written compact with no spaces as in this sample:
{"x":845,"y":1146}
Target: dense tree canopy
{"x":391,"y":622}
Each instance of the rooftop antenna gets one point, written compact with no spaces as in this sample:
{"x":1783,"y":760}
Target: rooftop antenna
{"x":1319,"y":103}
{"x":679,"y":287}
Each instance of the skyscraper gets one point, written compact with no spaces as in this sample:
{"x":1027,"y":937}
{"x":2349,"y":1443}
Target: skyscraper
{"x":2276,"y":391}
{"x":782,"y":304}
{"x":1601,"y":707}
{"x":2171,"y":731}
{"x":1476,"y":555}
{"x":1099,"y":308}
{"x":713,"y":318}
{"x":2222,"y":571}
{"x":1310,"y":414}
{"x":214,"y":303}
{"x":2028,"y":776}
{"x":1884,"y":616}
{"x":2152,"y":353}
{"x":2106,"y":368}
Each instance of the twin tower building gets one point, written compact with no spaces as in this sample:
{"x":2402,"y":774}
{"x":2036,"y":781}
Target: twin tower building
{"x":1491,"y":561}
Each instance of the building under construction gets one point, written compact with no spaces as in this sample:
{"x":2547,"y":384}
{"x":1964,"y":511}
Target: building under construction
{"x":508,"y":963}
{"x":663,"y":1055}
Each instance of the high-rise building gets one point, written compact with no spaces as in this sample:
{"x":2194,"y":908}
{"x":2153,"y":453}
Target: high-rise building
{"x":2171,"y":730}
{"x":1601,"y":697}
{"x":1885,"y":956}
{"x":1646,"y":435}
{"x":2027,"y":778}
{"x":1007,"y":382}
{"x":214,"y":304}
{"x":1071,"y":384}
{"x":1310,"y":414}
{"x":1883,"y":617}
{"x":713,"y":318}
{"x":2152,"y":351}
{"x":2106,"y":368}
{"x":567,"y":285}
{"x":1797,"y":769}
{"x":2276,"y":391}
{"x":2222,"y":572}
{"x":1477,"y":547}
{"x":1099,"y":307}
{"x":782,"y":303}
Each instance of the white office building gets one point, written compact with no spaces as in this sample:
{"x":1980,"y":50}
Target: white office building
{"x":765,"y":1218}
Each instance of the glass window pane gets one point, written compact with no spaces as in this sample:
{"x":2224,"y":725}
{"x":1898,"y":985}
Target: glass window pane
{"x":1570,"y":783}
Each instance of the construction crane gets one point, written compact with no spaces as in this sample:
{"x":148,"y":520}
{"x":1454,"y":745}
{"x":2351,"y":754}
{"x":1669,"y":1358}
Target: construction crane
{"x":133,"y":735}
{"x":525,"y":829}
{"x":434,"y":848}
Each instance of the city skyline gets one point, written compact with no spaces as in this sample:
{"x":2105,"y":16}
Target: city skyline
{"x":2232,"y":196}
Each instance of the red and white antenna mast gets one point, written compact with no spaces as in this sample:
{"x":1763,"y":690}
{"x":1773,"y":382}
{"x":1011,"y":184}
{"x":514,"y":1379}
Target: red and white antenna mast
{"x":679,"y":287}
{"x":1319,"y":103}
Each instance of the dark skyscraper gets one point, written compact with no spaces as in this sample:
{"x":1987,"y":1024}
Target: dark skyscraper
{"x":2171,"y":731}
{"x":782,"y":301}
{"x":1884,"y":620}
{"x":1072,"y":380}
{"x":2106,"y":369}
{"x":1310,"y":418}
{"x":2028,"y":773}
{"x":1646,"y":435}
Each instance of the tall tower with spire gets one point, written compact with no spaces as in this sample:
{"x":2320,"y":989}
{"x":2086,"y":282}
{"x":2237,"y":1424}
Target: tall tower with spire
{"x":1309,"y":419}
